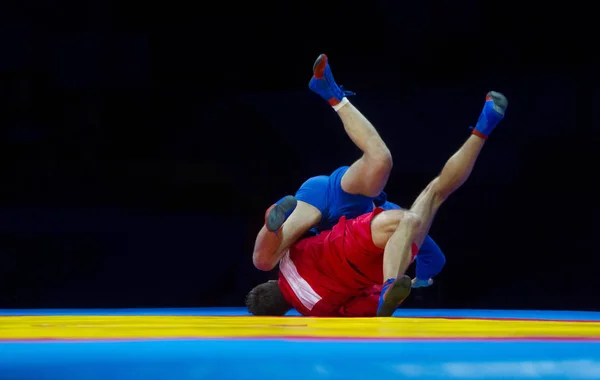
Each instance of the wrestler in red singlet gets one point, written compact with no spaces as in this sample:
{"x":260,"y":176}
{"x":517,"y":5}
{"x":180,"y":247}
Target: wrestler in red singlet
{"x":336,"y":273}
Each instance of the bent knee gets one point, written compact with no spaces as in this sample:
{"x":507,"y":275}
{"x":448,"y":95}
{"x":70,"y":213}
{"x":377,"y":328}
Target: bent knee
{"x":262,"y":265}
{"x":433,"y":193}
{"x":386,"y":223}
{"x":262,"y":260}
{"x":380,"y":159}
{"x":412,"y":220}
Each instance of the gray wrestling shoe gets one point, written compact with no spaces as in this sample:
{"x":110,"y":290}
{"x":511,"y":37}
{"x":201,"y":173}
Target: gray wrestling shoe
{"x":279,"y":212}
{"x":500,"y":101}
{"x":492,"y":113}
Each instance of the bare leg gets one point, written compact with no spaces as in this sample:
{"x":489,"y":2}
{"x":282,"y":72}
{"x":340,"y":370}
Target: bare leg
{"x":453,"y":175}
{"x":459,"y":166}
{"x":397,"y":254}
{"x":412,"y":226}
{"x":396,"y":230}
{"x":369,"y":174}
{"x":270,"y":246}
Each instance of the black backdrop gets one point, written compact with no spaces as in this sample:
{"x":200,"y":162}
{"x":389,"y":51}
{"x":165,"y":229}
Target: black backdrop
{"x":142,"y":142}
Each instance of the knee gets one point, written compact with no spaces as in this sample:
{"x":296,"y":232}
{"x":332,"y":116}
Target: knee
{"x":264,"y":256}
{"x":412,"y":220}
{"x":382,"y":158}
{"x":263,"y":260}
{"x":262,"y":265}
{"x":388,"y":221}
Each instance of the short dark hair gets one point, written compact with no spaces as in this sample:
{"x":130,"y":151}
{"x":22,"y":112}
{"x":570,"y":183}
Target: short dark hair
{"x":267,"y":299}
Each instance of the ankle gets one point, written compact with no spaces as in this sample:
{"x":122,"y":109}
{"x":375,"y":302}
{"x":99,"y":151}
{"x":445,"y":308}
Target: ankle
{"x":337,"y":107}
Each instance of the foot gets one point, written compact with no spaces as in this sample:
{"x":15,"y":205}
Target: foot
{"x":279,"y":212}
{"x":393,"y":293}
{"x":493,"y":112}
{"x":323,"y":83}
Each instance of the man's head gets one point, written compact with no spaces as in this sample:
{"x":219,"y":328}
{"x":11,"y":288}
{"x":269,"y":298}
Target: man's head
{"x":267,"y":299}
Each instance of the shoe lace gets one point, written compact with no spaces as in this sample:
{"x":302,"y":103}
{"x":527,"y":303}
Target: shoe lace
{"x":346,"y":92}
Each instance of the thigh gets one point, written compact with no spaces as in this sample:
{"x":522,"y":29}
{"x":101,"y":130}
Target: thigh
{"x":384,"y":225}
{"x":314,"y":192}
{"x":367,"y":176}
{"x":342,"y":203}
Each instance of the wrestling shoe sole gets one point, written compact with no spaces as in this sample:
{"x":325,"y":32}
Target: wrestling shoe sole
{"x":319,"y":66}
{"x":500,"y":101}
{"x":398,"y":292}
{"x":276,"y":216}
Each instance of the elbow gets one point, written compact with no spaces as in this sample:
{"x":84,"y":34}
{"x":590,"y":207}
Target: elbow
{"x":412,"y":220}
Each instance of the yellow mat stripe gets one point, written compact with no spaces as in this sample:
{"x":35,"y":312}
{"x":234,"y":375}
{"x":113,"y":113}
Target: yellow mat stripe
{"x":119,"y":327}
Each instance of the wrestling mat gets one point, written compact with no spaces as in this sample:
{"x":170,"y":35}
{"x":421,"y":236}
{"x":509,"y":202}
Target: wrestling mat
{"x":229,"y":344}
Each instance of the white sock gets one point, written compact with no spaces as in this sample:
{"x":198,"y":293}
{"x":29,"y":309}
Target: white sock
{"x":342,"y":103}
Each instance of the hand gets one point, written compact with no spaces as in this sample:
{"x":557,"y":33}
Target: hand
{"x":418,"y":283}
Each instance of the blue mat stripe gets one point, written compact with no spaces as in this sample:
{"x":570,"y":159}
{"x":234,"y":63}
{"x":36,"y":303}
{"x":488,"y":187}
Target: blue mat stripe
{"x":298,"y":360}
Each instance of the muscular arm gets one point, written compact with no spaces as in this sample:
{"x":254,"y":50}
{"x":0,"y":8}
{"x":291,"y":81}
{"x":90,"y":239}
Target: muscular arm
{"x":270,"y":246}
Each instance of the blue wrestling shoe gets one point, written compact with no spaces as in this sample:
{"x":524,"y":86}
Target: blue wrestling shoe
{"x":393,"y":293}
{"x":279,"y":212}
{"x":323,"y":83}
{"x":493,"y":112}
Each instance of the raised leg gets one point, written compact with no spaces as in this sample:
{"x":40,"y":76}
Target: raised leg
{"x":274,"y":238}
{"x":421,"y":214}
{"x":369,"y":174}
{"x":453,"y":175}
{"x":459,"y":167}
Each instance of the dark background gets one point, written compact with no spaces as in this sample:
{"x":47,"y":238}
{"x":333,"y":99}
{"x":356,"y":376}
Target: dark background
{"x":142,"y":143}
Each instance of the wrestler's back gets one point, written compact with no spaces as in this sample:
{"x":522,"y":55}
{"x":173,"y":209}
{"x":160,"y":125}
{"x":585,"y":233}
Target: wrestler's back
{"x":316,"y":269}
